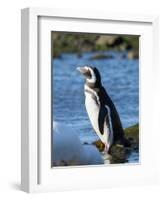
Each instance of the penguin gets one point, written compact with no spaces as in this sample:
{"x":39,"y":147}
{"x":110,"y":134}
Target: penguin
{"x":101,"y":110}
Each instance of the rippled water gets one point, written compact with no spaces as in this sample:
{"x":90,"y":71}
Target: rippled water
{"x":119,"y":77}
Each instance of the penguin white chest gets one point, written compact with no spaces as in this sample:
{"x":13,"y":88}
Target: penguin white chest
{"x":92,"y":107}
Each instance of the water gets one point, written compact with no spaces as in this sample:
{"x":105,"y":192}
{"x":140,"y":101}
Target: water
{"x":119,"y":77}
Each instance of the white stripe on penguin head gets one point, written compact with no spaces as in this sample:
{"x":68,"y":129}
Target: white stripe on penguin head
{"x":93,"y":76}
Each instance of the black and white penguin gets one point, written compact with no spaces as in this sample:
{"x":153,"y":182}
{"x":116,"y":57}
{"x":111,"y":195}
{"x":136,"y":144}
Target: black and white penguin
{"x":101,"y":110}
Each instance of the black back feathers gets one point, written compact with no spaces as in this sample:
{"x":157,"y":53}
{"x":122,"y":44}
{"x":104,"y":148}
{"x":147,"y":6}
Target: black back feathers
{"x":98,"y":77}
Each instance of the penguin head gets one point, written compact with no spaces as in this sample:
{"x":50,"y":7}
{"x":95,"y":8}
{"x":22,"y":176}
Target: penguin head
{"x":91,"y":74}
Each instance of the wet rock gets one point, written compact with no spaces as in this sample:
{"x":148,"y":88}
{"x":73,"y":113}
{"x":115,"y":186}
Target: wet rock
{"x":132,"y":133}
{"x":101,"y":56}
{"x":119,"y":153}
{"x":85,"y":143}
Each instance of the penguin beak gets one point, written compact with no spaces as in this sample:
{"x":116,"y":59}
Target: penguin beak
{"x":82,"y":70}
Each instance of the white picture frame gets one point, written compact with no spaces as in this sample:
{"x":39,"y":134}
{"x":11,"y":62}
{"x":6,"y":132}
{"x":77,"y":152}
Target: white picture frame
{"x":36,"y":171}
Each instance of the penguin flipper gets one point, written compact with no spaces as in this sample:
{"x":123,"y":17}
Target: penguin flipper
{"x":103,"y":112}
{"x":115,"y":118}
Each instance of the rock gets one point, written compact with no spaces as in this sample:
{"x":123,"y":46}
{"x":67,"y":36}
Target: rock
{"x":106,"y":40}
{"x":119,"y":41}
{"x":133,"y":55}
{"x":101,"y":56}
{"x":119,"y":153}
{"x":132,"y":133}
{"x":85,"y":143}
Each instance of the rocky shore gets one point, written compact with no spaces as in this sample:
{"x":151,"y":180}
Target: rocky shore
{"x":79,"y":43}
{"x":119,"y":153}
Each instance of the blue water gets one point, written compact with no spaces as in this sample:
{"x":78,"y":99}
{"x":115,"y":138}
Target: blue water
{"x":119,"y":77}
